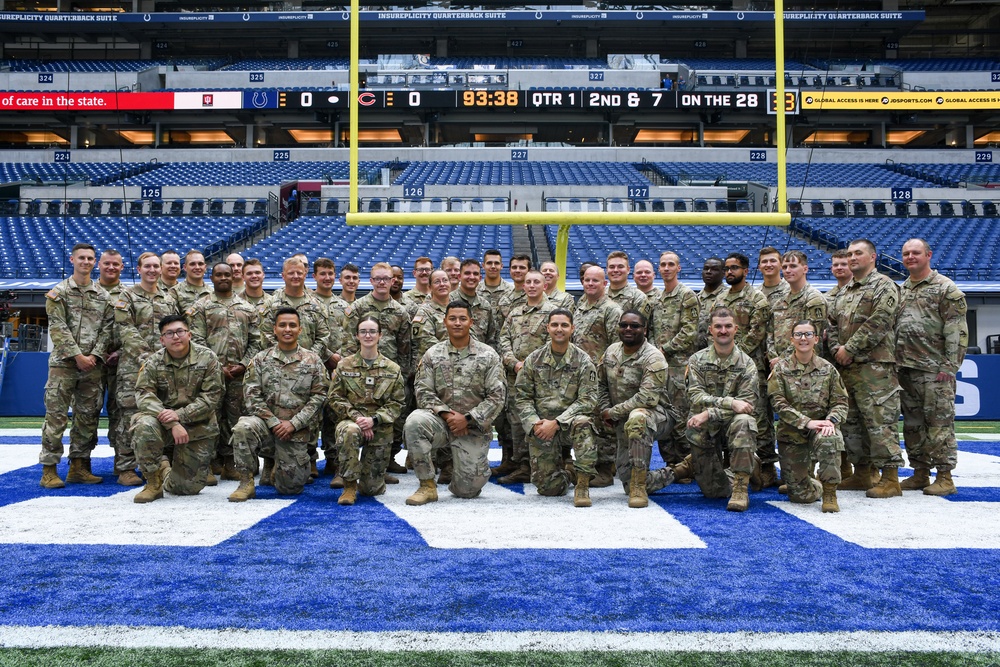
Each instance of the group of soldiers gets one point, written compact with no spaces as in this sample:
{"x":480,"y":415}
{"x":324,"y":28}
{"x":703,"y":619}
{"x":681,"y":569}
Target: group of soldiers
{"x":206,"y":379}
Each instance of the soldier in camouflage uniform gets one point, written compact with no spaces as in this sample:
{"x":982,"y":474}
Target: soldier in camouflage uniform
{"x":801,"y":301}
{"x":170,"y":270}
{"x":722,"y":389}
{"x":335,"y":309}
{"x":627,"y":296}
{"x":931,"y":337}
{"x":284,"y":391}
{"x":230,"y":327}
{"x":773,"y":286}
{"x":811,"y":401}
{"x":496,"y":290}
{"x":253,"y":286}
{"x":138,"y":312}
{"x":519,"y":267}
{"x":428,"y":327}
{"x":595,"y":328}
{"x":178,"y":393}
{"x":556,"y":395}
{"x":453,"y":267}
{"x":840,"y":269}
{"x":460,"y":391}
{"x":524,"y":331}
{"x":421,"y":292}
{"x":713,"y":273}
{"x":350,"y":279}
{"x":493,"y":286}
{"x":111,"y":266}
{"x":645,"y":279}
{"x":485,"y":327}
{"x":863,"y":345}
{"x":753,"y":316}
{"x":366,"y":395}
{"x":559,"y":298}
{"x":80,"y":321}
{"x":632,"y":398}
{"x":236,"y":262}
{"x":674,"y":331}
{"x":193,"y":286}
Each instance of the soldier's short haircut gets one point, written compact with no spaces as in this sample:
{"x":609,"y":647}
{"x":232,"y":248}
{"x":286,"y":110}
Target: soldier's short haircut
{"x":633,"y":311}
{"x":146,"y":255}
{"x":170,"y":319}
{"x":83,"y":246}
{"x":563,"y":312}
{"x":714,"y":259}
{"x":170,"y":252}
{"x":423,"y":260}
{"x":468,"y":261}
{"x":381,"y":265}
{"x":111,"y":252}
{"x":618,"y":254}
{"x":739,"y":257}
{"x":584,"y":267}
{"x":768,"y":250}
{"x":253,"y":261}
{"x":458,"y":304}
{"x":293,"y":260}
{"x":925,"y":244}
{"x":192,"y":251}
{"x":797,"y":255}
{"x":396,"y":266}
{"x":367,"y":318}
{"x":670,"y":252}
{"x":870,"y":244}
{"x":522,"y":258}
{"x":218,"y":264}
{"x":352,"y":268}
{"x":492,"y":251}
{"x":802,"y":323}
{"x":324,"y":263}
{"x":534,"y":271}
{"x":720,"y":312}
{"x":448,"y":260}
{"x":287,"y":310}
{"x":840,"y":253}
{"x":644,"y":260}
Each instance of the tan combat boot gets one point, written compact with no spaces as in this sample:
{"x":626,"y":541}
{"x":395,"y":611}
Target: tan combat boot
{"x":349,"y":495}
{"x":942,"y":486}
{"x":683,"y":471}
{"x":921,"y":479}
{"x":846,"y":469}
{"x":444,"y":475}
{"x":78,"y":473}
{"x":337,"y":482}
{"x":267,"y":473}
{"x":50,"y":478}
{"x":605,"y":476}
{"x":811,"y":496}
{"x":245,"y":491}
{"x":427,"y":493}
{"x":888,"y":485}
{"x":768,"y":476}
{"x":129,"y":478}
{"x":153,"y":489}
{"x":581,"y":496}
{"x":739,"y":501}
{"x":830,"y":497}
{"x":637,"y":497}
{"x":229,"y":472}
{"x":861,"y":480}
{"x":519,"y":476}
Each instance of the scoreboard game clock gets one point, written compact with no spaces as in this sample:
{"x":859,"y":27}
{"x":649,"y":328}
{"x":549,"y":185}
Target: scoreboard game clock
{"x":479,"y":99}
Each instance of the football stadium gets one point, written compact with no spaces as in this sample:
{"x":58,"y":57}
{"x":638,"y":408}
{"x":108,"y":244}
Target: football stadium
{"x":807,"y":147}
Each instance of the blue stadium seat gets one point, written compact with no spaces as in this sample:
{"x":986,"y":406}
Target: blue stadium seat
{"x":260,"y":207}
{"x":116,"y":207}
{"x":177,"y":207}
{"x":311,"y":207}
{"x":53,"y":207}
{"x":989,"y":209}
{"x":901,"y":209}
{"x":742,"y":206}
{"x":879,"y":209}
{"x":860,"y":209}
{"x":34,"y":207}
{"x":839,"y":208}
{"x":923,"y":209}
{"x":215,"y":207}
{"x":680,"y":206}
{"x":968,"y":209}
{"x":96,"y":207}
{"x":74,"y":207}
{"x":946,"y":209}
{"x":156,"y":207}
{"x":333,"y":206}
{"x":816,"y":208}
{"x":136,"y":207}
{"x":240,"y":207}
{"x":197,"y":207}
{"x":700,"y":206}
{"x":721,"y":206}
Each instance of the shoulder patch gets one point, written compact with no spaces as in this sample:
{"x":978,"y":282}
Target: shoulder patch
{"x":417,"y":319}
{"x":121,"y":304}
{"x":52,"y":294}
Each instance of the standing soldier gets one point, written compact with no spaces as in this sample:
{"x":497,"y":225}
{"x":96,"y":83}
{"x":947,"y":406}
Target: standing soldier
{"x":713,"y":273}
{"x":811,"y":402}
{"x":800,"y":301}
{"x":722,"y":389}
{"x":559,"y":298}
{"x":556,"y":395}
{"x":773,"y":286}
{"x":80,"y":321}
{"x":335,"y":309}
{"x":177,"y":392}
{"x":644,"y":278}
{"x":421,"y":292}
{"x":110,"y":266}
{"x":840,"y":269}
{"x":674,"y":332}
{"x":519,"y":267}
{"x":236,"y":262}
{"x":485,"y":327}
{"x":931,"y":337}
{"x":253,"y":285}
{"x":428,"y":323}
{"x":138,"y":312}
{"x":284,"y":390}
{"x":366,"y":395}
{"x":752,"y":316}
{"x":523,"y":332}
{"x":396,"y":286}
{"x":170,"y":270}
{"x":230,"y":327}
{"x":493,"y":285}
{"x":453,"y":267}
{"x":627,"y":296}
{"x":595,"y":328}
{"x":863,"y":346}
{"x":350,"y":278}
{"x":460,"y":390}
{"x":632,"y":378}
{"x":193,"y":286}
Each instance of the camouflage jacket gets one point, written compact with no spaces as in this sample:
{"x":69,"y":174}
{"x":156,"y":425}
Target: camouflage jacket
{"x":561,"y":299}
{"x":627,"y":382}
{"x":630,"y":298}
{"x":427,"y":328}
{"x":137,"y":319}
{"x":336,"y":320}
{"x":595,"y":326}
{"x":555,"y":387}
{"x":361,"y":390}
{"x":715,"y":382}
{"x":507,"y":303}
{"x":81,"y":321}
{"x":774,"y":292}
{"x":191,"y":387}
{"x":494,"y":294}
{"x":803,"y":392}
{"x":230,"y":328}
{"x":114,"y":291}
{"x":413,"y":299}
{"x":706,"y":302}
{"x":753,"y":319}
{"x":525,"y":331}
{"x":185,"y":294}
{"x":394,"y":323}
{"x":674,"y":327}
{"x":469,"y":381}
{"x":315,"y":334}
{"x":931,"y":328}
{"x":863,"y":317}
{"x":789,"y":308}
{"x":287,"y":386}
{"x":261,"y":303}
{"x":485,"y":326}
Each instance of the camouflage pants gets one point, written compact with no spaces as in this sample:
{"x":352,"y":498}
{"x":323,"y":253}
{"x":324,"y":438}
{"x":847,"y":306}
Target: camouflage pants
{"x":674,"y":446}
{"x":548,"y":473}
{"x":928,"y":419}
{"x":362,"y":461}
{"x":190,"y":464}
{"x":605,"y":441}
{"x":125,"y":392}
{"x":634,"y":438}
{"x":425,"y":433}
{"x":328,"y":437}
{"x":798,"y":456}
{"x":109,"y":387}
{"x":71,"y":387}
{"x":519,"y":439}
{"x":740,"y":438}
{"x":229,"y":414}
{"x":764,"y":416}
{"x":871,"y":433}
{"x":252,"y":437}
